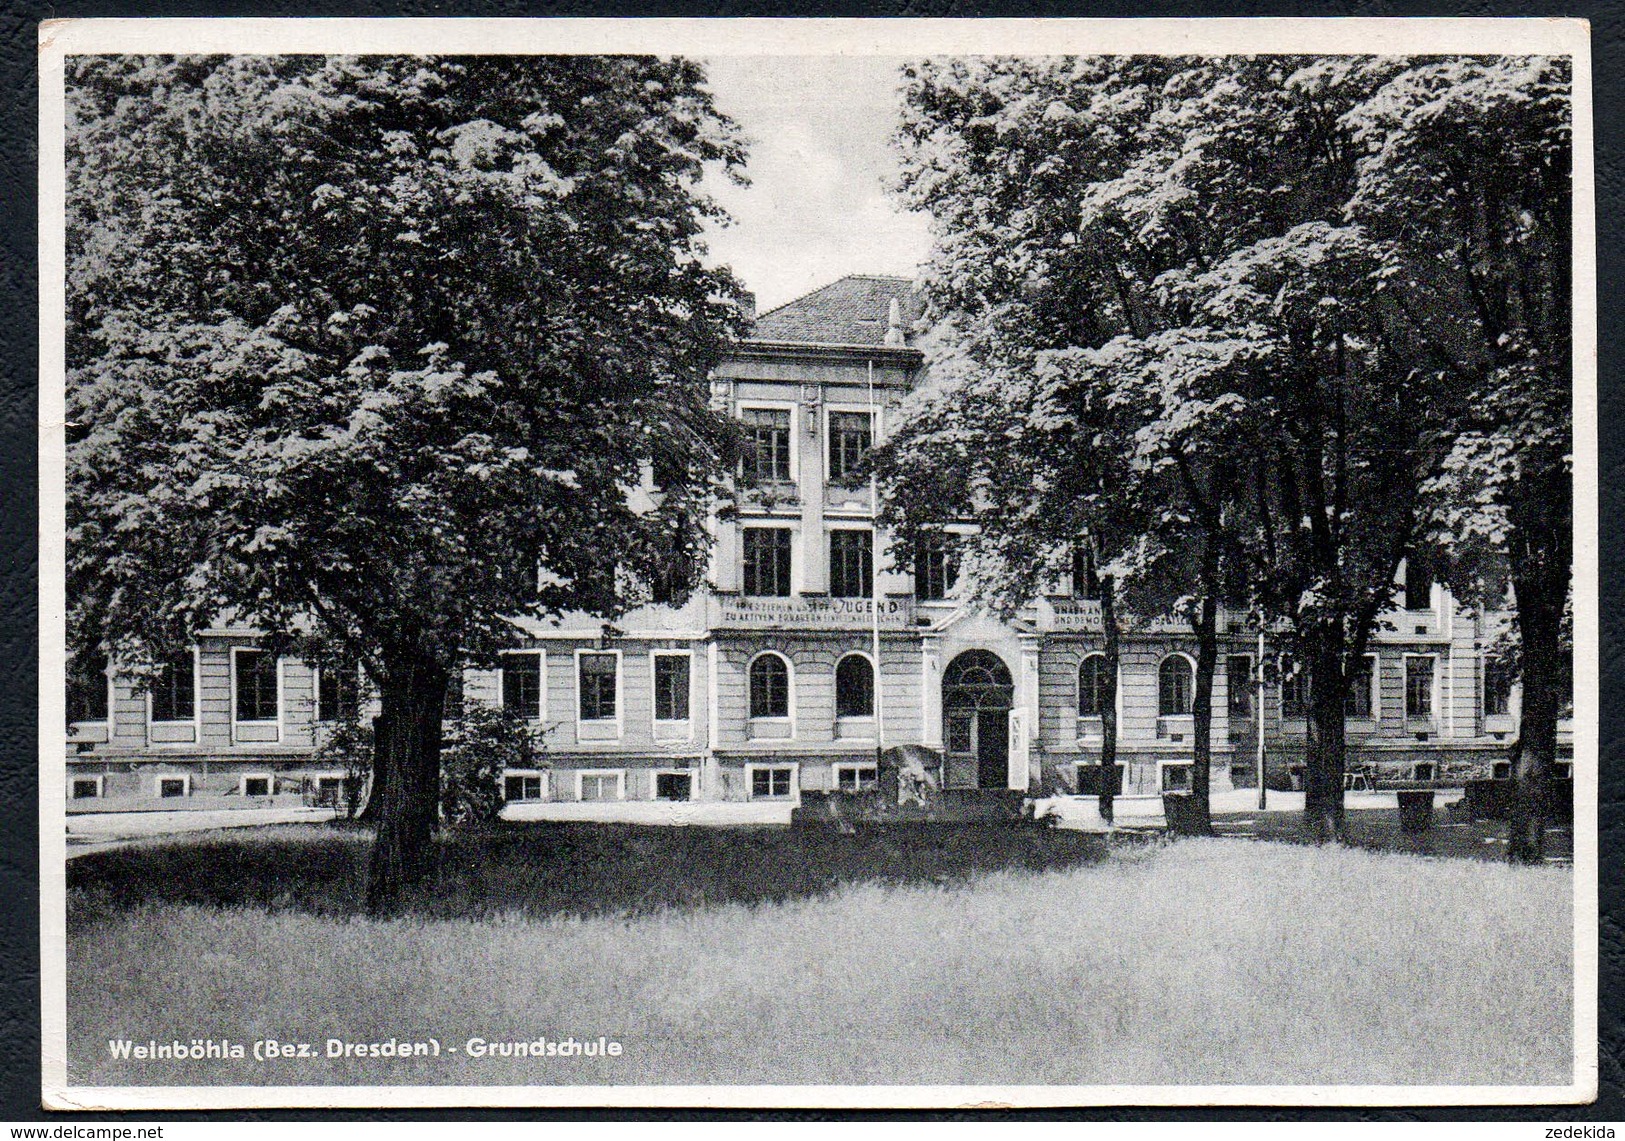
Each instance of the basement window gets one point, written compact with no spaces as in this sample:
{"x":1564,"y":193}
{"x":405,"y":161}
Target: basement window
{"x":856,"y":778}
{"x":1176,"y":778}
{"x":674,"y":786}
{"x":771,"y":783}
{"x":520,"y":787}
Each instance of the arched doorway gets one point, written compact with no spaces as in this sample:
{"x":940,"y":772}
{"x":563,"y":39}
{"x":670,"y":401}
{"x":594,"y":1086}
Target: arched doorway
{"x":977,"y":695}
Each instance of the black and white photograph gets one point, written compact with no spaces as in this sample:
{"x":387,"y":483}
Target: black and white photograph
{"x":896,"y":563}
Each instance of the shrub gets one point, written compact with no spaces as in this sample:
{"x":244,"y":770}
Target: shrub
{"x":482,"y":743}
{"x":347,"y":745}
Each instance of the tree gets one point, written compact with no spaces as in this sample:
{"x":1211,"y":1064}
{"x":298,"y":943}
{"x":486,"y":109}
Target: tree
{"x":1181,"y":229}
{"x":1469,"y":176}
{"x":983,"y":445}
{"x":377,"y":351}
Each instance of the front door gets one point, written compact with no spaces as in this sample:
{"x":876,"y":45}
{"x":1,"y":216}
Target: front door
{"x":976,"y":700}
{"x":992,"y":748}
{"x":960,"y":739}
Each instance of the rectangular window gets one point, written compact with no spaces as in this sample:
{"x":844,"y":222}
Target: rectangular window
{"x":851,"y":564}
{"x":1360,"y":702}
{"x":170,"y":787}
{"x":86,"y":788}
{"x":173,"y":690}
{"x":668,"y":471}
{"x":767,"y":562}
{"x":674,"y":786}
{"x":597,"y":675}
{"x":600,"y":786}
{"x":851,"y":435}
{"x":1089,"y":780}
{"x":856,"y":778}
{"x":517,"y":787}
{"x":1419,"y":687}
{"x":1418,"y":583}
{"x":770,"y":784}
{"x":522,"y":685}
{"x":1176,"y":778}
{"x":767,"y":432}
{"x":452,"y":708}
{"x":1238,"y":676}
{"x":1497,"y":687}
{"x":338,"y":692}
{"x":87,"y":688}
{"x":255,"y":685}
{"x":1294,"y":689}
{"x":671,"y":687}
{"x":935,"y":568}
{"x":258,"y":785}
{"x":1084,"y":582}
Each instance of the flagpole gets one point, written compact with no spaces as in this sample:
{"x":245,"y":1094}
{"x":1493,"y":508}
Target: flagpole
{"x":874,"y":563}
{"x":1258,"y":711}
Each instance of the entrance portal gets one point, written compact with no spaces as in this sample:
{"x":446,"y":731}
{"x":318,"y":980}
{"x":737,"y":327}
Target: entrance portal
{"x":977,"y":695}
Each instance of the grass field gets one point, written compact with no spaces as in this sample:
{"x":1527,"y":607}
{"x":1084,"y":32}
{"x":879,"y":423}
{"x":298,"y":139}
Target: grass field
{"x":1203,"y":962}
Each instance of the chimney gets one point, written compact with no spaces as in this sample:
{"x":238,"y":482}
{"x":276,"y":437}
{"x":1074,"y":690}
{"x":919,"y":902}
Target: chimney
{"x":894,"y":324}
{"x":747,"y":305}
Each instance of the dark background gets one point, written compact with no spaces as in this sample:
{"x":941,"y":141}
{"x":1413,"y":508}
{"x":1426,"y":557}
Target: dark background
{"x":19,"y":520}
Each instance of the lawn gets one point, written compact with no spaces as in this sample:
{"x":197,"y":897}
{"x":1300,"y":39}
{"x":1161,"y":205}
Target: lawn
{"x":915,"y":956}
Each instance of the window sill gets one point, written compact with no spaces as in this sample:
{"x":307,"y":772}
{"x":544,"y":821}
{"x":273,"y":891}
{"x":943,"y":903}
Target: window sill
{"x":1175,"y":725}
{"x":855,"y":728}
{"x":771,"y":728}
{"x":673,"y":731}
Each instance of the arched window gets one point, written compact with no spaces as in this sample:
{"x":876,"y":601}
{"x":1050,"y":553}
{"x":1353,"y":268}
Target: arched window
{"x":769,"y":687}
{"x":977,"y":679}
{"x":1092,"y":686}
{"x":1174,"y":686}
{"x":854,"y":687}
{"x":977,"y":667}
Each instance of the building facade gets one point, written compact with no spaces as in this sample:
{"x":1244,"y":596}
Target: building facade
{"x":809,"y":653}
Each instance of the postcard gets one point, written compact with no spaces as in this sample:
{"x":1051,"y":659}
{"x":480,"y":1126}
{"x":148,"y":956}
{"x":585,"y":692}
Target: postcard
{"x":841,"y":563}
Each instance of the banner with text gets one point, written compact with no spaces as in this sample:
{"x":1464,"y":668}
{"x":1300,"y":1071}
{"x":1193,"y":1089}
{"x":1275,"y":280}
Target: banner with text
{"x":896,"y":613}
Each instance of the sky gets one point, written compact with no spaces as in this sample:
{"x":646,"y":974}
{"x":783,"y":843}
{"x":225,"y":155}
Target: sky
{"x":817,"y":129}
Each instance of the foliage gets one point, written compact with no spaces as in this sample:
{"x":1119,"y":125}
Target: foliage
{"x":368,"y":340}
{"x":1194,"y":310}
{"x":378,"y":351}
{"x":484,"y":742}
{"x":347,"y":744}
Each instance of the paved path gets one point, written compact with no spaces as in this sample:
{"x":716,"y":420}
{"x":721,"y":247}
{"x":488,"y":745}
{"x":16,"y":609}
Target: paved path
{"x":93,"y":831}
{"x":677,"y":812}
{"x":90,"y":832}
{"x":1080,"y":813}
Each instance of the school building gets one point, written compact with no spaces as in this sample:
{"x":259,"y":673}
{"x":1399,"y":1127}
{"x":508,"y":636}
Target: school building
{"x":809,"y":653}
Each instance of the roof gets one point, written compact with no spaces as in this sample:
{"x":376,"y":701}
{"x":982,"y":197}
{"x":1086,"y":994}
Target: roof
{"x":851,"y":311}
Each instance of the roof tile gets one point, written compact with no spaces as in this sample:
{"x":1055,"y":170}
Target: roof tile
{"x":851,"y":311}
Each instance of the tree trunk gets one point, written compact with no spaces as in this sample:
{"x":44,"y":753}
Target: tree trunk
{"x":413,"y":692}
{"x":1108,"y":702}
{"x":1200,"y":820}
{"x":380,"y":775}
{"x":1541,"y":552}
{"x":1540,"y":616}
{"x":1324,"y":756}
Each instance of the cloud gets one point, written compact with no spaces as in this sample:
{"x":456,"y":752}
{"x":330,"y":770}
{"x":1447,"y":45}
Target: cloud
{"x":820,"y":161}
